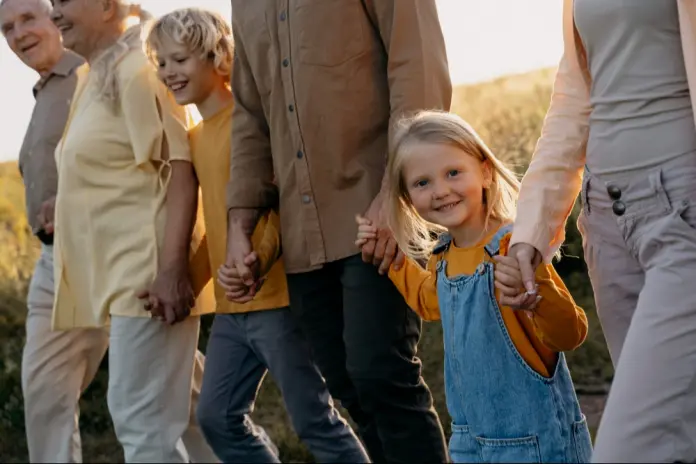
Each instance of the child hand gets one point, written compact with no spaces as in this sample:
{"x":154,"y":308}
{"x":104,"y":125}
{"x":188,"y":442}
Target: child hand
{"x":508,"y":279}
{"x":366,"y":231}
{"x":233,"y":285}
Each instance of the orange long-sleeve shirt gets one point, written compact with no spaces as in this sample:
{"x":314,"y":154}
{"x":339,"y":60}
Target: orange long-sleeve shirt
{"x":557,"y":324}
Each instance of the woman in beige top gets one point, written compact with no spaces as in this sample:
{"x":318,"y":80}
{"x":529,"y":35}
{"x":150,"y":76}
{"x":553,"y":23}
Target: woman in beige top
{"x":621,"y":131}
{"x":124,"y":166}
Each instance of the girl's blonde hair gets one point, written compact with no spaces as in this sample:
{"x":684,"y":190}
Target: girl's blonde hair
{"x":415,"y":235}
{"x":203,"y":32}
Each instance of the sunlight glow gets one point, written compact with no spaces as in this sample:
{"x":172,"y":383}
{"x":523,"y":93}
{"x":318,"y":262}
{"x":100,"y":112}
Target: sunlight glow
{"x":485,"y":39}
{"x":132,"y":21}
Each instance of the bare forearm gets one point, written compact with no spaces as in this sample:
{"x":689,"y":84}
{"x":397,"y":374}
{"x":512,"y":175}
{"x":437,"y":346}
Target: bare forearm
{"x":181,"y":204}
{"x":243,"y":220}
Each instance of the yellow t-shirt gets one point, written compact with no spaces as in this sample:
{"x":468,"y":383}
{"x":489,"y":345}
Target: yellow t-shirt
{"x":557,"y":324}
{"x":210,"y":150}
{"x":110,"y":207}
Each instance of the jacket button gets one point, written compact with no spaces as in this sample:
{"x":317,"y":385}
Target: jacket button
{"x":619,"y":208}
{"x":614,"y":192}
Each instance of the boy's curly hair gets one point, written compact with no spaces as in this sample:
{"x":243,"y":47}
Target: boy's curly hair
{"x":203,"y":32}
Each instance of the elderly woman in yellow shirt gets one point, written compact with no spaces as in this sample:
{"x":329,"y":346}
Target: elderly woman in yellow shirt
{"x":125,"y":211}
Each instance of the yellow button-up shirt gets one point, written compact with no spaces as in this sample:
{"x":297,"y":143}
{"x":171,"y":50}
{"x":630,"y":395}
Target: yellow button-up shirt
{"x":110,"y":208}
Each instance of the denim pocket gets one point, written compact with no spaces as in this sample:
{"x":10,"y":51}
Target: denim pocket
{"x":462,"y":446}
{"x":582,"y":442}
{"x":525,"y":449}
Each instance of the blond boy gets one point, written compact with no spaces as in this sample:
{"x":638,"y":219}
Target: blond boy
{"x":193,"y":50}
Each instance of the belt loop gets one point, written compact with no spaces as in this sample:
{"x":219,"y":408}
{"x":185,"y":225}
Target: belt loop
{"x":584,"y":197}
{"x":658,"y":189}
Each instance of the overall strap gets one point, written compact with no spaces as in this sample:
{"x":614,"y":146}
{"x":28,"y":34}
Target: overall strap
{"x":493,"y":246}
{"x":443,"y":243}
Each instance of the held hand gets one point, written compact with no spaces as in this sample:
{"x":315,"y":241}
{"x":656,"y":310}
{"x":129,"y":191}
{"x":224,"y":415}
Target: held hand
{"x":528,"y":259}
{"x":366,"y":231}
{"x":508,"y":280}
{"x":241,"y":257}
{"x":382,"y":250}
{"x":232,"y":283}
{"x":170,"y":297}
{"x":46,"y":215}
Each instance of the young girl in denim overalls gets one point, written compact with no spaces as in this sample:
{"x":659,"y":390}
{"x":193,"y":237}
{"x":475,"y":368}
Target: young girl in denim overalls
{"x":508,"y":387}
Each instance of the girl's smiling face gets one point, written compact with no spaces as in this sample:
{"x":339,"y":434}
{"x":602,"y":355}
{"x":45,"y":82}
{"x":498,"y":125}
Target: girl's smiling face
{"x":446,"y":184}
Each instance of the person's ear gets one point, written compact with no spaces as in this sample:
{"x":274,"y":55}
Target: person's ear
{"x":110,"y":9}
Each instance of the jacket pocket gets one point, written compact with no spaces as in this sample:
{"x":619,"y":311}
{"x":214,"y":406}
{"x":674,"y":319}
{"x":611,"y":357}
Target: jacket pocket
{"x":331,"y":32}
{"x":525,"y":449}
{"x":462,"y":446}
{"x":582,"y":442}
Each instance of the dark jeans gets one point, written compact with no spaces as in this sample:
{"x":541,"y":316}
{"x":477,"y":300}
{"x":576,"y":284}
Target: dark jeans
{"x":364,"y":339}
{"x":240,"y":350}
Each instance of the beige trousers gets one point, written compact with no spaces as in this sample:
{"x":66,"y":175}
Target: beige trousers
{"x":56,"y":369}
{"x":153,"y":370}
{"x":58,"y":366}
{"x":642,"y":263}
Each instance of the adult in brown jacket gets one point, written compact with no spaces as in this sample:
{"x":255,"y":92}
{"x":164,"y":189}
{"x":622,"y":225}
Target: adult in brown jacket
{"x":318,"y":85}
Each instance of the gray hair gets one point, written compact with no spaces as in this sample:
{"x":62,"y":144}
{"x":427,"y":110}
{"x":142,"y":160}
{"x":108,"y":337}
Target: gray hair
{"x":45,"y":5}
{"x":104,"y":68}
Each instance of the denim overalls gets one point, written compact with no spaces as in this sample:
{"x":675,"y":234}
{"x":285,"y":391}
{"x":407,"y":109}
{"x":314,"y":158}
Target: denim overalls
{"x":502,"y":410}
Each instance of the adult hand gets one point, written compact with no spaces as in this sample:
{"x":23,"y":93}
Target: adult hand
{"x":528,"y":259}
{"x":170,"y":297}
{"x":46,"y":215}
{"x":383,"y":250}
{"x":508,"y":281}
{"x":241,"y":257}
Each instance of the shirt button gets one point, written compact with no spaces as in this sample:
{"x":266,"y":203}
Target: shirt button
{"x":291,"y":108}
{"x":306,"y":199}
{"x":283,"y":16}
{"x":286,"y":63}
{"x":300,"y":154}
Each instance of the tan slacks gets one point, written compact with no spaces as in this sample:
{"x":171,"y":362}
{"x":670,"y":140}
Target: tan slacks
{"x":640,"y":247}
{"x":155,"y":375}
{"x":56,"y":369}
{"x":57,"y":366}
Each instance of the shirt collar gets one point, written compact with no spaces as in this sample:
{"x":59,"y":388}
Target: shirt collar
{"x":65,"y":66}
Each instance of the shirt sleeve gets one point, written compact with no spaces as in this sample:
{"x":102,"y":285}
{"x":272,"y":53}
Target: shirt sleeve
{"x":266,"y":241}
{"x":559,"y":323}
{"x":157,"y":126}
{"x":251,"y":162}
{"x":417,"y":67}
{"x":418,"y":287}
{"x":554,"y":178}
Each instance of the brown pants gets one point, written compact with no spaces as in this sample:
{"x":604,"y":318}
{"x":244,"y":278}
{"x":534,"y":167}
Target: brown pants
{"x":639,"y":236}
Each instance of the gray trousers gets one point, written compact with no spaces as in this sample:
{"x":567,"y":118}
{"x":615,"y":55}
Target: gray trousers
{"x":640,"y":247}
{"x":241,"y":349}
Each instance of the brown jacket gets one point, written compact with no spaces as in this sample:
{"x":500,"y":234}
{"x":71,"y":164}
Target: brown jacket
{"x":318,"y":84}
